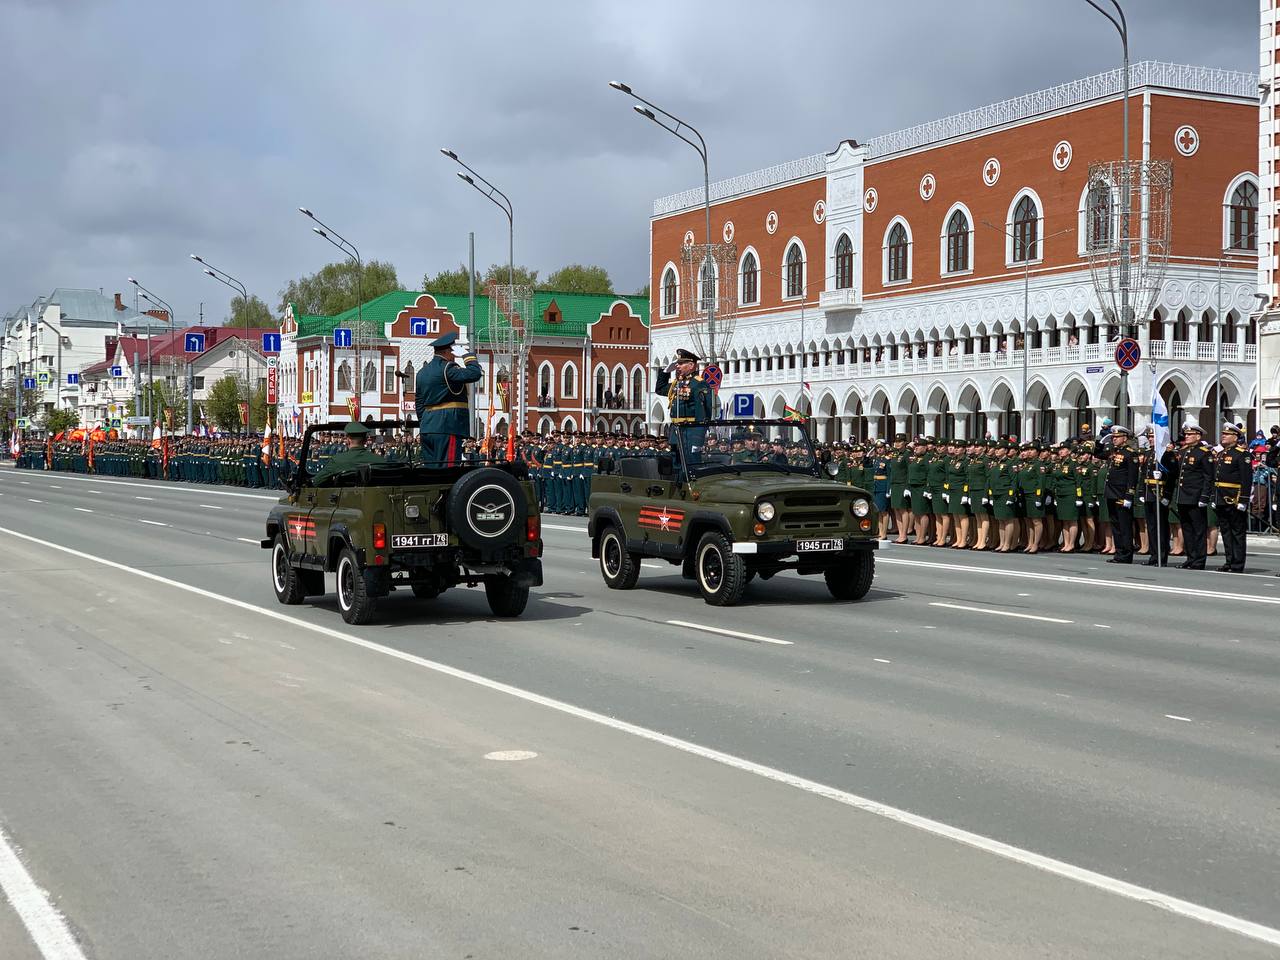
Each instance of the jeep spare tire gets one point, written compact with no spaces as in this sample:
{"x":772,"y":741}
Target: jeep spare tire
{"x":486,"y":509}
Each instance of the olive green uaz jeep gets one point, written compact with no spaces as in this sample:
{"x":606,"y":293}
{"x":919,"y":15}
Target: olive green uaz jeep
{"x":396,"y":524}
{"x":736,"y":500}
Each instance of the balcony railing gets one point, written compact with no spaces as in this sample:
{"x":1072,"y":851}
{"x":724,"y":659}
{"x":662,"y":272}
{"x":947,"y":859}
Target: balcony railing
{"x":840,"y":301}
{"x":1069,"y":355}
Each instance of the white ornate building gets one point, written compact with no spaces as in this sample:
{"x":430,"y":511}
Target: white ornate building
{"x":1268,"y":235}
{"x":889,"y":275}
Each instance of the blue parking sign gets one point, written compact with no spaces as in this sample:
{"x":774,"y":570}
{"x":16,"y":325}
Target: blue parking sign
{"x":193,"y":343}
{"x":744,"y":405}
{"x":342,"y":336}
{"x":271,"y":343}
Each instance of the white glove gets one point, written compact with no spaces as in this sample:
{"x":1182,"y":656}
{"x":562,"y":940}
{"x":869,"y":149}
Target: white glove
{"x":1079,"y":503}
{"x":986,"y":501}
{"x":1039,"y":504}
{"x":1048,"y":501}
{"x":1126,"y":503}
{"x":460,"y":350}
{"x":946,"y":497}
{"x":964,"y":501}
{"x":928,"y":495}
{"x":1164,"y":502}
{"x":1242,"y":506}
{"x":1201,"y":504}
{"x":906,"y":494}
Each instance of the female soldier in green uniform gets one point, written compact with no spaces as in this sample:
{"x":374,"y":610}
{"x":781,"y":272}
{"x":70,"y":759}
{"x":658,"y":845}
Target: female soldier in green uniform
{"x":918,"y":485}
{"x":1030,"y":487}
{"x":976,"y":476}
{"x":938,"y":494}
{"x":1003,"y":477}
{"x":899,"y":501}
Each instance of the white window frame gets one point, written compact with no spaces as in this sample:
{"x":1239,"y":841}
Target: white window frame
{"x":1009,"y":262}
{"x":551,"y":380}
{"x":662,"y":298}
{"x":569,"y":368}
{"x":853,"y":262}
{"x":1082,"y":221}
{"x":804,"y":271}
{"x":741,"y":260}
{"x":942,"y":242}
{"x":1226,"y":213}
{"x":884,"y":253}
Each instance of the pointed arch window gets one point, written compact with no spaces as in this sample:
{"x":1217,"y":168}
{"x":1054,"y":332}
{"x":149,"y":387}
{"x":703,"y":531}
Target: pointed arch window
{"x":369,"y":382}
{"x":669,"y":292}
{"x":1026,"y":230}
{"x":844,"y":263}
{"x":899,"y":249}
{"x":1098,"y":214}
{"x":344,"y":376}
{"x":957,"y":242}
{"x":1244,"y":217}
{"x":793,"y":271}
{"x":750,"y":279}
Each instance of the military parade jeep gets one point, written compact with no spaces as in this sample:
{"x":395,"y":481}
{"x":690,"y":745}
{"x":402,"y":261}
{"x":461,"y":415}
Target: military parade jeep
{"x":735,"y":500}
{"x":386,"y":525}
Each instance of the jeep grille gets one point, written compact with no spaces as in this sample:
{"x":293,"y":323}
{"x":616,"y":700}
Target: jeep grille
{"x":811,"y":500}
{"x":812,"y":520}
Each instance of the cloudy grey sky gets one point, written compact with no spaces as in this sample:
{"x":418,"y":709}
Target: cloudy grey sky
{"x":138,"y":131}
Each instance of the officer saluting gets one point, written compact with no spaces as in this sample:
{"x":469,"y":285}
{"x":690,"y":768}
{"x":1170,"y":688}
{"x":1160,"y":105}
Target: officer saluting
{"x":1120,"y":491}
{"x":440,"y":400}
{"x":690,"y":400}
{"x":1233,"y":480}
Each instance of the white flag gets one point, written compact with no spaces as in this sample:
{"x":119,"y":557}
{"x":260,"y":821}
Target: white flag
{"x":1159,"y":422}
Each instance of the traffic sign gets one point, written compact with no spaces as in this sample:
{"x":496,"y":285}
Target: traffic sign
{"x":271,"y":343}
{"x":342,"y":336}
{"x":193,"y":343}
{"x":43,"y":377}
{"x":273,"y":363}
{"x":744,"y":405}
{"x":137,"y":421}
{"x":117,"y":371}
{"x":1128,"y":353}
{"x":24,"y":423}
{"x":115,"y":423}
{"x":28,"y":383}
{"x":73,"y":379}
{"x":273,"y":384}
{"x":713,"y":375}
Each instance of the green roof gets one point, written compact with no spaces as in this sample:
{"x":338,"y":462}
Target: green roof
{"x":577,"y":312}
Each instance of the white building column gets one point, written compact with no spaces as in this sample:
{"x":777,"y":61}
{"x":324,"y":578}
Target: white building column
{"x":1063,"y":417}
{"x":993,"y":423}
{"x":930,"y":424}
{"x":846,"y":428}
{"x":873,"y":427}
{"x":962,"y":427}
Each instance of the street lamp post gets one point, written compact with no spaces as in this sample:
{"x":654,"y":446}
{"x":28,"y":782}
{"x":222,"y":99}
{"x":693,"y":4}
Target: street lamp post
{"x":647,"y":111}
{"x":1121,"y":24}
{"x":1026,"y":309}
{"x":148,"y":295}
{"x":349,"y":249}
{"x":492,"y":193}
{"x":228,"y":280}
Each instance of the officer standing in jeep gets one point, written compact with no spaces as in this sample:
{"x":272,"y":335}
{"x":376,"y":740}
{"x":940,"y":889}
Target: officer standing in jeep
{"x":440,"y":400}
{"x":690,"y":400}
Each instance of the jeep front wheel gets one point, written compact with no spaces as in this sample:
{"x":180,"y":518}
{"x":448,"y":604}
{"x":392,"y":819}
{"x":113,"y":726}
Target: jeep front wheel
{"x":721,"y":573}
{"x":851,"y":579}
{"x":619,"y":566}
{"x":506,"y":599}
{"x":354,"y":602}
{"x":284,"y":575}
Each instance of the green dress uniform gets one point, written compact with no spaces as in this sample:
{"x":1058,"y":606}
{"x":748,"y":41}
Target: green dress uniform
{"x":1001,"y":484}
{"x":917,"y":483}
{"x":440,"y":400}
{"x":899,"y":462}
{"x":1030,"y":486}
{"x":937,"y":482}
{"x":957,"y":484}
{"x":348,"y":459}
{"x":690,"y":400}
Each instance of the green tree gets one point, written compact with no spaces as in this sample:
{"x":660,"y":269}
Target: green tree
{"x":164,"y":396}
{"x":338,"y":286}
{"x":523,"y":275}
{"x":643,"y":291}
{"x":452,"y":282}
{"x":577,"y":278}
{"x":222,"y":405}
{"x":257,"y":316}
{"x":61,"y":419}
{"x":30,"y":403}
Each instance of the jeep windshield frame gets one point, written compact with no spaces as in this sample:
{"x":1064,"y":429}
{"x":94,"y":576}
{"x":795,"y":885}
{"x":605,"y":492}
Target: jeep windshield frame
{"x":798,"y":457}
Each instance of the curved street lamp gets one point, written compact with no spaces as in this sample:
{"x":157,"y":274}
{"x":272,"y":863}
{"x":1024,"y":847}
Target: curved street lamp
{"x":349,"y":249}
{"x":228,"y":280}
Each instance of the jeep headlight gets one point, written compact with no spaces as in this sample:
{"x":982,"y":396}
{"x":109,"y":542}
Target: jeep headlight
{"x":833,"y":468}
{"x":411,"y":511}
{"x":860,"y":507}
{"x":765,"y":511}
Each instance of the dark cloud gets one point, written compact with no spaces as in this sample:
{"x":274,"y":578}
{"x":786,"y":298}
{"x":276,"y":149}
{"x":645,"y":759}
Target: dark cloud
{"x":138,"y":132}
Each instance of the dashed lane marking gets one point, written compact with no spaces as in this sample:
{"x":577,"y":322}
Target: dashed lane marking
{"x":256,"y":543}
{"x":144,"y":498}
{"x":752,"y":637}
{"x":1174,"y":716}
{"x":154,"y":523}
{"x":210,"y":506}
{"x":44,"y":923}
{"x":82,"y":509}
{"x":878,"y":660}
{"x":998,"y":848}
{"x":1000,"y":613}
{"x":34,"y":500}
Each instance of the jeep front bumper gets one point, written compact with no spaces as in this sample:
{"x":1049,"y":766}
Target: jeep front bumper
{"x":787,"y":548}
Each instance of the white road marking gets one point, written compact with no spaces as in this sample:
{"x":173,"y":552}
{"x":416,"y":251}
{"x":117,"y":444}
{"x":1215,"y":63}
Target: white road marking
{"x":33,"y":500}
{"x":1173,"y":716}
{"x":175,"y":488}
{"x":1024,"y":594}
{"x":210,"y":506}
{"x":561,"y":526}
{"x":44,"y":923}
{"x":652,"y":565}
{"x":25,"y":483}
{"x":82,"y":509}
{"x":1103,"y":626}
{"x":54,"y":486}
{"x":247,"y":540}
{"x":878,"y":660}
{"x":754,"y":638}
{"x":510,"y":755}
{"x":1059,"y":868}
{"x":144,"y":498}
{"x":154,"y":523}
{"x":1092,"y":582}
{"x":999,"y":613}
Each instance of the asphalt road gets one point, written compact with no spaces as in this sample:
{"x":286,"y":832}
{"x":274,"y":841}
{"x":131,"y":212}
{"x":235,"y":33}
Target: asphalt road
{"x":189,"y":777}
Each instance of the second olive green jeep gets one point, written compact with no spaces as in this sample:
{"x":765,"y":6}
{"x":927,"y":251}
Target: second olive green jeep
{"x":734,"y":500}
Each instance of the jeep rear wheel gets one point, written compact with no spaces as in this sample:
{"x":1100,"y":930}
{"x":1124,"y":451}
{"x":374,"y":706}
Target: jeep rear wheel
{"x":721,"y":573}
{"x":506,"y":599}
{"x":851,"y":579}
{"x":354,"y":602}
{"x":284,"y":575}
{"x":619,"y":566}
